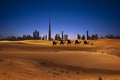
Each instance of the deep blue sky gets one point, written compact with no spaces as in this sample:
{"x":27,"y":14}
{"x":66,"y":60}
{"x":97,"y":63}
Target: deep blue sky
{"x":18,"y":17}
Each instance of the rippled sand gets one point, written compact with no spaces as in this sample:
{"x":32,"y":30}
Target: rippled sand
{"x":39,"y":60}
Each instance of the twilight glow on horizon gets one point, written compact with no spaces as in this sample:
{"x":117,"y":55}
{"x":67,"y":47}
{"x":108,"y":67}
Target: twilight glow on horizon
{"x":18,"y":17}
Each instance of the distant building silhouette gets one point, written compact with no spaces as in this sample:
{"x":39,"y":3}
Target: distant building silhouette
{"x":24,"y":37}
{"x":94,"y":36}
{"x":83,"y":37}
{"x":36,"y":35}
{"x":12,"y":38}
{"x":19,"y":38}
{"x":62,"y":35}
{"x":49,"y":31}
{"x":29,"y":37}
{"x":78,"y":36}
{"x":44,"y":37}
{"x":65,"y":37}
{"x":110,"y":36}
{"x":57,"y":37}
{"x":87,"y":34}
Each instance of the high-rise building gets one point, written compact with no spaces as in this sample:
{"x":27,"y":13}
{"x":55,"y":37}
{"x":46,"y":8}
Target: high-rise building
{"x":78,"y":36}
{"x":87,"y":35}
{"x":44,"y":37}
{"x":94,"y":36}
{"x":49,"y":31}
{"x":83,"y":37}
{"x":62,"y":35}
{"x":65,"y":37}
{"x":29,"y":37}
{"x":36,"y":34}
{"x":24,"y":37}
{"x":57,"y":37}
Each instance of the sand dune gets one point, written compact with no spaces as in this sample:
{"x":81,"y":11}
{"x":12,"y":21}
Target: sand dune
{"x":39,"y":60}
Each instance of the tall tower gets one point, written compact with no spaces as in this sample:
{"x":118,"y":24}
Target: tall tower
{"x":49,"y":31}
{"x":87,"y":35}
{"x":62,"y":35}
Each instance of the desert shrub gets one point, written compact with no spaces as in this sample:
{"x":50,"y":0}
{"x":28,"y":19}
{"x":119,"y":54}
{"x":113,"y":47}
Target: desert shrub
{"x":77,"y":72}
{"x":42,"y":63}
{"x":99,"y":78}
{"x":69,"y":76}
{"x":1,"y":60}
{"x":61,"y":71}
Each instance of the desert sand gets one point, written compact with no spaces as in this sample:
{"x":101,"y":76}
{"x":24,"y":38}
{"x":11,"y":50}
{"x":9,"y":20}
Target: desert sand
{"x":39,"y":60}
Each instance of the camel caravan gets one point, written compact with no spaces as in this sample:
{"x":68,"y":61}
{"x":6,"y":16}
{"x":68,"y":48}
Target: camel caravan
{"x":70,"y":42}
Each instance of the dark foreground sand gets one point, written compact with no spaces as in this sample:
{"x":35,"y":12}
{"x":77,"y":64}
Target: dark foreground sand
{"x":39,"y":60}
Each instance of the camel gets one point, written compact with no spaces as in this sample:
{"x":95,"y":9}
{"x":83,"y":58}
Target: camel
{"x":85,"y":42}
{"x":54,"y":43}
{"x":77,"y":42}
{"x":61,"y":42}
{"x":69,"y":42}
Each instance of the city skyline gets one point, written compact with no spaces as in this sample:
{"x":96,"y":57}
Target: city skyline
{"x":36,"y":35}
{"x":74,"y":17}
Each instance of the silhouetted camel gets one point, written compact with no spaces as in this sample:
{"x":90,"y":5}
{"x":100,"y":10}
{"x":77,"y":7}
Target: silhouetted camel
{"x":69,"y":42}
{"x":85,"y":42}
{"x":61,"y":42}
{"x":77,"y":42}
{"x":54,"y":43}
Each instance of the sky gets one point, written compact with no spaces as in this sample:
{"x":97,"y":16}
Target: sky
{"x":18,"y":17}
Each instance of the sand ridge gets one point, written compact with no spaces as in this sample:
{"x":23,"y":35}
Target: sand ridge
{"x":21,"y":60}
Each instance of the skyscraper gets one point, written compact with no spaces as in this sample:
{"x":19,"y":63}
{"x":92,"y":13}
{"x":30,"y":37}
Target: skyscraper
{"x":78,"y":36}
{"x":62,"y":35}
{"x":36,"y":34}
{"x":44,"y":37}
{"x":49,"y":31}
{"x":57,"y":37}
{"x":87,"y":35}
{"x":65,"y":37}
